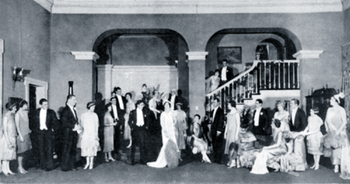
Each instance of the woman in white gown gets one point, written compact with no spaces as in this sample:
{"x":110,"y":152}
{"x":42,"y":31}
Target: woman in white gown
{"x":169,"y":153}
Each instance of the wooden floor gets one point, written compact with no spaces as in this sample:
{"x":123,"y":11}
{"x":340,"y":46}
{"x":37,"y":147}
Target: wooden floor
{"x":190,"y":171}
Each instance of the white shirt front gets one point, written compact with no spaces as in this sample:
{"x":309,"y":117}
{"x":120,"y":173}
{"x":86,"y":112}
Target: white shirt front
{"x":256,"y":117}
{"x":43,"y":114}
{"x":72,"y":109}
{"x":115,"y":112}
{"x":139,"y":120}
{"x":172,"y":101}
{"x":120,"y":100}
{"x":223,"y":73}
{"x":294,"y":112}
{"x":214,"y":113}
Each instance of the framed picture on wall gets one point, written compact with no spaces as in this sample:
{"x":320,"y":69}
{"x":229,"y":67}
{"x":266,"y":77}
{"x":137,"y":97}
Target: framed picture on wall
{"x":232,"y":54}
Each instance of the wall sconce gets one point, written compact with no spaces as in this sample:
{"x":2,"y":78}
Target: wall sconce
{"x":18,"y":74}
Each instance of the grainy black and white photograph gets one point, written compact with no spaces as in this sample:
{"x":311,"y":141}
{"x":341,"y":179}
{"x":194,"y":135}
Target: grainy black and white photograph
{"x":174,"y":91}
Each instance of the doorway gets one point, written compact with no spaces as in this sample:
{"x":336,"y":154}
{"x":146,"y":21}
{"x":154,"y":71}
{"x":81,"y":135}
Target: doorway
{"x":35,"y":90}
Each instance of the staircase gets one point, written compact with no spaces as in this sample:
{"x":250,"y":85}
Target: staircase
{"x":268,"y":80}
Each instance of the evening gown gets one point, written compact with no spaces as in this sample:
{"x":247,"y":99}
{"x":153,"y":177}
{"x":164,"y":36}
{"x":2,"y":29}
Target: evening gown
{"x":262,"y":159}
{"x":7,"y":153}
{"x":89,"y":138}
{"x":181,"y":126}
{"x":108,"y":145}
{"x":169,"y":150}
{"x":315,"y":141}
{"x":127,"y":131}
{"x":338,"y":143}
{"x":232,"y":126}
{"x":24,"y":128}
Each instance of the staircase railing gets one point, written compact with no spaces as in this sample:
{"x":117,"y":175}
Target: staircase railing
{"x":263,"y":75}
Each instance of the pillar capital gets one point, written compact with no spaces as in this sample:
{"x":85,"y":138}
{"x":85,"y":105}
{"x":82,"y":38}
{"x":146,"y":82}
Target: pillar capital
{"x":308,"y":54}
{"x":198,"y":55}
{"x":85,"y":55}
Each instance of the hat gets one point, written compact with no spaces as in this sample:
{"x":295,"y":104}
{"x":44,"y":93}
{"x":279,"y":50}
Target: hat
{"x":88,"y":105}
{"x":338,"y":96}
{"x":10,"y":105}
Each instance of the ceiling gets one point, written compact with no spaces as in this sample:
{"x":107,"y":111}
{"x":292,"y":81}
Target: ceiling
{"x":191,"y":6}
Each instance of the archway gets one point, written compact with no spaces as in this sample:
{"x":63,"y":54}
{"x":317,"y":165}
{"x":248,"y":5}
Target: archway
{"x":250,"y":39}
{"x":143,"y":50}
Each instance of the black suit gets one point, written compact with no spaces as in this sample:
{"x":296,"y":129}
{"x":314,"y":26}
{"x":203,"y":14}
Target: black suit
{"x":300,"y":121}
{"x":139,"y":135}
{"x":264,"y":127}
{"x":120,"y":120}
{"x":229,"y":74}
{"x":175,"y":101}
{"x":217,"y":140}
{"x":44,"y":139}
{"x":69,"y":139}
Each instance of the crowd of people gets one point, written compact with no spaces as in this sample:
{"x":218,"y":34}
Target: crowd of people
{"x":159,"y":126}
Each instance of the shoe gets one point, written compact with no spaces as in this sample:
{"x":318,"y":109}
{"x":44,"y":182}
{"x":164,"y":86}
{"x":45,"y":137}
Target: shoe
{"x":312,"y":166}
{"x":86,"y":166}
{"x":317,"y":167}
{"x":112,"y":159}
{"x":336,"y":169}
{"x":22,"y":171}
{"x":106,"y":160}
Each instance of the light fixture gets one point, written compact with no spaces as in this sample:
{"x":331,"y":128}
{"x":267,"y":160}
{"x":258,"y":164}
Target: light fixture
{"x":18,"y":74}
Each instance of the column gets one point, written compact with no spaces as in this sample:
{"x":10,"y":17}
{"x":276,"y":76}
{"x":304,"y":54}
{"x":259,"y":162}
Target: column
{"x":104,"y":80}
{"x":84,"y":79}
{"x":307,"y":59}
{"x":1,"y":79}
{"x":196,"y":67}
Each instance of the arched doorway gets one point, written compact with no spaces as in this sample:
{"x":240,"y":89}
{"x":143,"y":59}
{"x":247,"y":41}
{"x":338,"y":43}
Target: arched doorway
{"x":285,"y":42}
{"x":138,"y":56}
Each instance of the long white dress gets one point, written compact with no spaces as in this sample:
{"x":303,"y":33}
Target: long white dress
{"x":167,"y":121}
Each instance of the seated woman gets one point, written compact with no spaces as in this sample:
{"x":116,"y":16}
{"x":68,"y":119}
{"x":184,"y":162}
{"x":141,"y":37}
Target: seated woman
{"x":270,"y":155}
{"x":246,"y":150}
{"x":195,"y":141}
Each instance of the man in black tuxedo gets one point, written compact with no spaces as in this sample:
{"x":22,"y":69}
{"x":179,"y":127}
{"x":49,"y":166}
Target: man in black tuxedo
{"x":70,"y":131}
{"x":297,"y":124}
{"x":217,"y":131}
{"x":261,"y":125}
{"x":173,"y":99}
{"x":138,"y":122}
{"x":43,"y":124}
{"x":226,"y":73}
{"x":119,"y":128}
{"x":117,"y":118}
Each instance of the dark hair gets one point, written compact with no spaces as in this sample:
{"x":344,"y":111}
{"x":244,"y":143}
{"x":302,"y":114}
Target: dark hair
{"x":217,"y":99}
{"x":128,"y":93}
{"x":167,"y":102}
{"x":138,"y":102}
{"x":211,"y":73}
{"x":232,"y":103}
{"x":117,"y":88}
{"x":70,"y":97}
{"x":259,"y":100}
{"x":22,"y":103}
{"x":113,"y":98}
{"x":144,"y":85}
{"x":217,"y":70}
{"x":296,"y":101}
{"x":154,"y":92}
{"x":89,"y":105}
{"x":41,"y":101}
{"x":199,"y":117}
{"x":225,"y":60}
{"x":10,"y":106}
{"x":179,"y":92}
